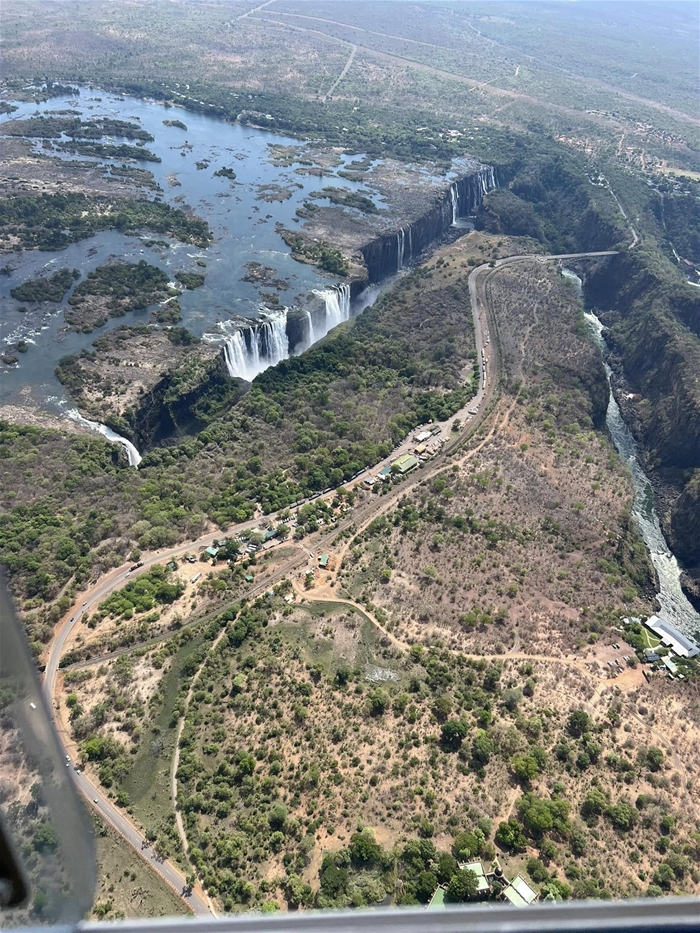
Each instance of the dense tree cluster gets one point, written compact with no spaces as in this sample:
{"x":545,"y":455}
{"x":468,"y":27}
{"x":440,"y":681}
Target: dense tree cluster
{"x":46,"y":288}
{"x":53,"y":221}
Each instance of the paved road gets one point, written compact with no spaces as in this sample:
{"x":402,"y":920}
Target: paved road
{"x":115,"y":579}
{"x":116,"y":818}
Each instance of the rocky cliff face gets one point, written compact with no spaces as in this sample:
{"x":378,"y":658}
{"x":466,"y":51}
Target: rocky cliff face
{"x":184,"y":402}
{"x":388,"y":253}
{"x":685,"y":537}
{"x":660,"y":355}
{"x":654,"y":317}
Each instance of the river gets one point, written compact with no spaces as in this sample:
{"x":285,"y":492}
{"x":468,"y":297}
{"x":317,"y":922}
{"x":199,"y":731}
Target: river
{"x":242,"y":215}
{"x":275,"y":180}
{"x":675,"y":607}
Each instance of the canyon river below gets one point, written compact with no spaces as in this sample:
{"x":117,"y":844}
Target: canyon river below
{"x":674,"y":605}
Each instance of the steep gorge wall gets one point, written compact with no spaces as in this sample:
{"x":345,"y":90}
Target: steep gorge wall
{"x":388,"y":253}
{"x":647,"y":304}
{"x":550,"y":198}
{"x":184,"y":402}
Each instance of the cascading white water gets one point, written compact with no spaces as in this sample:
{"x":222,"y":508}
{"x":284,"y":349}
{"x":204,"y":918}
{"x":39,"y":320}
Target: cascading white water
{"x":475,"y":187}
{"x":131,"y":452}
{"x":251,"y":350}
{"x":311,"y":336}
{"x":400,"y":242}
{"x":337,"y":301}
{"x":410,"y":243}
{"x":454,"y":197}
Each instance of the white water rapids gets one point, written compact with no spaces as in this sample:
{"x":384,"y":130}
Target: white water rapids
{"x":131,"y":452}
{"x":675,"y":607}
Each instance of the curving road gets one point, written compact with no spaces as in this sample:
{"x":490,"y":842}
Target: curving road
{"x":115,"y":579}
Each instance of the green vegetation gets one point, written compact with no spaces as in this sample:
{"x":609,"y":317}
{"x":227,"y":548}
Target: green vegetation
{"x":312,"y":741}
{"x":141,"y":595}
{"x":348,"y":199}
{"x":190,"y":280}
{"x":657,"y":332}
{"x":48,"y":288}
{"x":286,"y":744}
{"x":126,"y":286}
{"x":52,"y":127}
{"x":225,"y":173}
{"x":127,"y":885}
{"x":551,"y":199}
{"x":53,"y":221}
{"x":680,"y":215}
{"x":324,"y":255}
{"x":324,"y":434}
{"x":178,"y":123}
{"x":109,"y":151}
{"x":122,"y":280}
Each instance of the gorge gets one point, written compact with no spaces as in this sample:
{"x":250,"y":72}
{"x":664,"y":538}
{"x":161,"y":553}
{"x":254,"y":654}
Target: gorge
{"x":290,"y":331}
{"x":675,"y":606}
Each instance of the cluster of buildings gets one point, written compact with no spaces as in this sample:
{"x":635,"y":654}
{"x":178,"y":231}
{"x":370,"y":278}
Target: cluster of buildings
{"x":517,"y":892}
{"x":427,"y":441}
{"x":669,"y":637}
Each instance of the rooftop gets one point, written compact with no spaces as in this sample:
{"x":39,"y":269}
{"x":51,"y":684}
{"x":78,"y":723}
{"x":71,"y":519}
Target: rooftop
{"x":519,"y":892}
{"x":437,"y":900}
{"x":405,"y":463}
{"x":478,"y":869}
{"x":673,"y":668}
{"x":524,"y":889}
{"x":679,"y":643}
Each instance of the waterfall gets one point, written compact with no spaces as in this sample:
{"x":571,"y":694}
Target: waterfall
{"x":473,"y":189}
{"x":131,"y":452}
{"x":400,"y":240}
{"x":454,"y":198}
{"x":311,"y":337}
{"x":251,"y":350}
{"x":337,"y":304}
{"x":401,"y":256}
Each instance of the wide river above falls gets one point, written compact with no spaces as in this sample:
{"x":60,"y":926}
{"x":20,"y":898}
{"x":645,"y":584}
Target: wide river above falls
{"x":242,"y":215}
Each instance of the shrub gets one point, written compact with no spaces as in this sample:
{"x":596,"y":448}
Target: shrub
{"x":452,"y":734}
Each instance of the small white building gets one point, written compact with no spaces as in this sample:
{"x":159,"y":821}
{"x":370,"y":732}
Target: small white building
{"x":671,"y":638}
{"x":482,"y":885}
{"x":519,"y":893}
